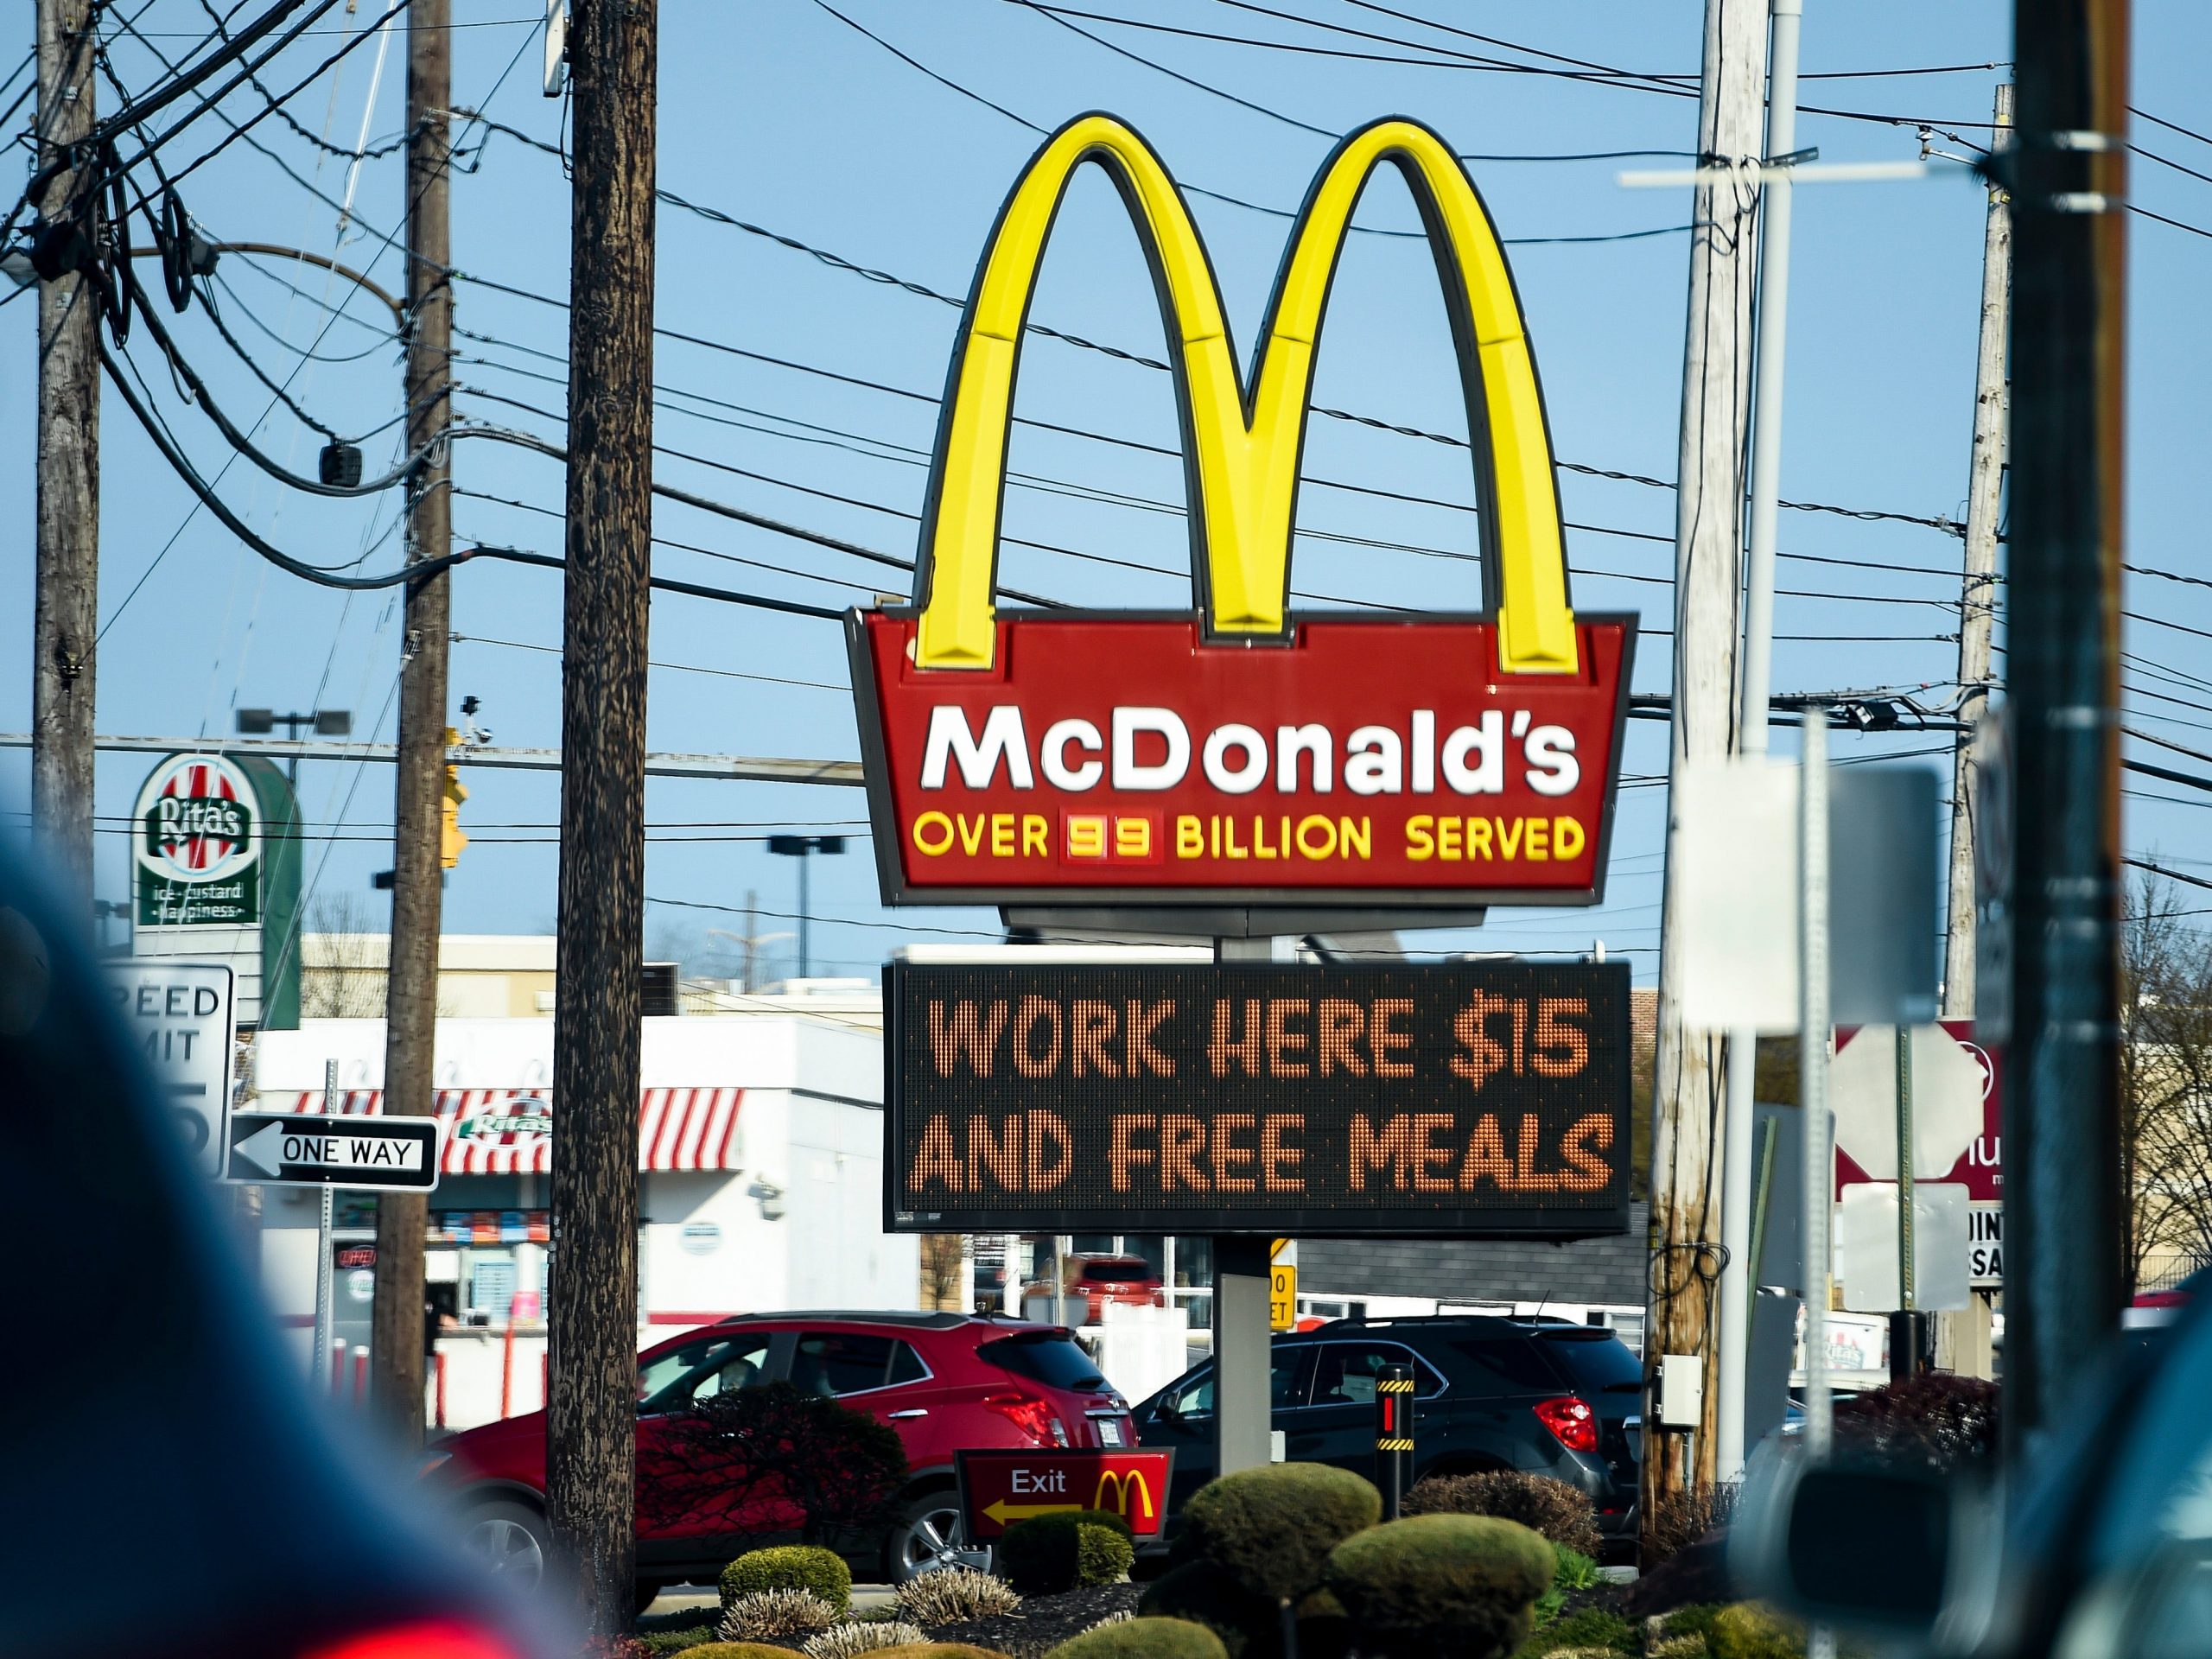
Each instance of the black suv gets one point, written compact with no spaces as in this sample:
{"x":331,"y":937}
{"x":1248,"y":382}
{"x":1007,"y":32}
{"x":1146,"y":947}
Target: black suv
{"x":1540,"y":1396}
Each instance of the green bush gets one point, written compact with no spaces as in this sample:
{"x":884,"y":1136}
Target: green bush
{"x":1249,"y":1625}
{"x":1695,"y":1619}
{"x":1101,"y":1555}
{"x":661,"y":1643}
{"x":1143,"y":1638}
{"x":1271,"y":1529}
{"x":1747,"y":1631}
{"x":939,"y":1650}
{"x":1044,"y":1554}
{"x":790,"y":1567}
{"x":1562,"y":1513}
{"x":1573,"y":1570}
{"x":1441,"y":1587}
{"x":1582,"y":1631}
{"x":1678,"y":1647}
{"x":737,"y":1650}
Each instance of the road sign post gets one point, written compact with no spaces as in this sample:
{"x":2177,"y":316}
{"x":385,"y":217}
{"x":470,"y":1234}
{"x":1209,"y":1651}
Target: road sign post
{"x":322,"y":1264}
{"x":386,"y":1154}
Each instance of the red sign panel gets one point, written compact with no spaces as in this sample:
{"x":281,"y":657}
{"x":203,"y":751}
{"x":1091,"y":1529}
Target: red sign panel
{"x":1000,"y":1488}
{"x":1980,"y":1168}
{"x":1126,"y":758}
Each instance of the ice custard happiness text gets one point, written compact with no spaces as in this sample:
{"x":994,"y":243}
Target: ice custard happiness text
{"x":1455,"y":1097}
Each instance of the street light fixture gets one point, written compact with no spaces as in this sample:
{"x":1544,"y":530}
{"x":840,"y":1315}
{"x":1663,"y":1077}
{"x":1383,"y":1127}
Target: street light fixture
{"x":323,"y":723}
{"x":803,"y":847}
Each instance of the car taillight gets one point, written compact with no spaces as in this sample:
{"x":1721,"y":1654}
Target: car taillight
{"x":1570,"y":1421}
{"x":1033,"y":1417}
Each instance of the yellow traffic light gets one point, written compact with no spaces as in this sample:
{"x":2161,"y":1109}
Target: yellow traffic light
{"x":450,"y":838}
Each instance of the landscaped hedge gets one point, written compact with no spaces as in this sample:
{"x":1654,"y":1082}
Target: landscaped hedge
{"x":1441,"y":1587}
{"x":1048,"y":1553}
{"x":1271,"y":1529}
{"x":1143,"y":1638}
{"x":790,"y":1567}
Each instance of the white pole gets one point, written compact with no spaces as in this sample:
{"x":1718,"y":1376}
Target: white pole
{"x":1813,"y":1039}
{"x":323,"y":1321}
{"x":1741,"y":1113}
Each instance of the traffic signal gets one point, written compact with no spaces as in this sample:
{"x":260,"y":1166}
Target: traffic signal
{"x":450,"y":838}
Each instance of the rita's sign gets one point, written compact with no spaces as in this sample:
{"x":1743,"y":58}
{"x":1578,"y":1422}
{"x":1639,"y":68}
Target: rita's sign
{"x":198,"y":845}
{"x":1243,"y":751}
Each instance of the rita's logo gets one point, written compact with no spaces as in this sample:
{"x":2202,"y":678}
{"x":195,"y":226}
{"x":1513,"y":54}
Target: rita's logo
{"x":1242,"y":751}
{"x":196,"y":819}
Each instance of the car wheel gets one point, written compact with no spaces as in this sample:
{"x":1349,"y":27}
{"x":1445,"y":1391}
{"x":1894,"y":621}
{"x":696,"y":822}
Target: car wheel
{"x":510,"y":1541}
{"x":931,"y":1535}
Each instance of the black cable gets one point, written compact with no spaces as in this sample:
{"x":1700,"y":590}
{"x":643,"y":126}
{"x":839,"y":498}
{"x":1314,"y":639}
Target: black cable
{"x":884,"y":279}
{"x":299,"y":129}
{"x":215,"y":316}
{"x":1200,"y":190}
{"x":420,"y":570}
{"x":2171,"y":127}
{"x":2194,"y":230}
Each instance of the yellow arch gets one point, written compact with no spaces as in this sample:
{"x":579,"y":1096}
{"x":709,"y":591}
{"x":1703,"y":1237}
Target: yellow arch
{"x":1243,"y":444}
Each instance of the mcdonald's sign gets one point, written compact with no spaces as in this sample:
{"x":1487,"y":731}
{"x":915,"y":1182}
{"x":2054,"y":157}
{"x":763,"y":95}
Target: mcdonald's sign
{"x":999,"y":1489}
{"x":1245,"y":751}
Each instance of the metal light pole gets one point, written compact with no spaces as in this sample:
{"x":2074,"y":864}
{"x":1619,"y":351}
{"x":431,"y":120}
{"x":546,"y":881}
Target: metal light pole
{"x":803,"y":847}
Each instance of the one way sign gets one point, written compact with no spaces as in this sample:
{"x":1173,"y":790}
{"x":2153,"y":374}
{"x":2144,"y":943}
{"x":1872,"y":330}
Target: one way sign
{"x":384,"y":1154}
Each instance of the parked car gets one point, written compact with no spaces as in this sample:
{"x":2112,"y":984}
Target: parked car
{"x":946,"y":1381}
{"x":1094,"y":1280}
{"x":1543,"y":1396}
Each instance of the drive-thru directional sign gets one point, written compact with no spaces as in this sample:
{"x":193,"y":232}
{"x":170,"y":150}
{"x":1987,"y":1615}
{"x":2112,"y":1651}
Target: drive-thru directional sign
{"x":396,"y":1154}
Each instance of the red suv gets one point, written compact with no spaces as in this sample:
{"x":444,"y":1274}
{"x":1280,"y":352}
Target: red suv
{"x":1093,"y":1280}
{"x":946,"y":1381}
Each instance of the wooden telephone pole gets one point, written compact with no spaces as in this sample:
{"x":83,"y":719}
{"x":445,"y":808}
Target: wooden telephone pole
{"x":2062,"y":1213}
{"x":1691,"y":1083}
{"x":417,"y":878}
{"x":591,"y":1417}
{"x":66,"y":612}
{"x":1978,"y":597}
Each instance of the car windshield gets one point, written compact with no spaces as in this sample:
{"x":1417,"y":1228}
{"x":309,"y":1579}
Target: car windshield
{"x":1044,"y":1357}
{"x":1595,"y":1361}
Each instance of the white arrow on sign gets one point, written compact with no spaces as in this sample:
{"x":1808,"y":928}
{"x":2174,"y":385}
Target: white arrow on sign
{"x":273,"y":1146}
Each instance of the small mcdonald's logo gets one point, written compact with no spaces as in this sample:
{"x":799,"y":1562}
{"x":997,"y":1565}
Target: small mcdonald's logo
{"x":1124,"y":1492}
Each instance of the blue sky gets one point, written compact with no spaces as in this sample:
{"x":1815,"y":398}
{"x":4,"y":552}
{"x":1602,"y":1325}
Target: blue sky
{"x":777,"y":113}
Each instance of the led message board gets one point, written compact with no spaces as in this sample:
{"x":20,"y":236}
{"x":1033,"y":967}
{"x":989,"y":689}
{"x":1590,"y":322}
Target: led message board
{"x":1387,"y":1099}
{"x":1242,"y":751}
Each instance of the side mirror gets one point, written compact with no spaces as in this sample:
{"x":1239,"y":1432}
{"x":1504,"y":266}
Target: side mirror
{"x":1875,"y":1547}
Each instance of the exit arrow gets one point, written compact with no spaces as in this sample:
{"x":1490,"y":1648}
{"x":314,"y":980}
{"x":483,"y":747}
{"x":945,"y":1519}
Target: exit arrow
{"x":1005,"y":1513}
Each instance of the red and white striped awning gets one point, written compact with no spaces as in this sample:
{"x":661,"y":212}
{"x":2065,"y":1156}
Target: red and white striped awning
{"x":510,"y":1131}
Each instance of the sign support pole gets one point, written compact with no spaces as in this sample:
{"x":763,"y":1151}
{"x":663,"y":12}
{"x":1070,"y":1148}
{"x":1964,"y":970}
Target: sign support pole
{"x":322,"y":1243}
{"x":1243,"y":1353}
{"x":1813,"y":1093}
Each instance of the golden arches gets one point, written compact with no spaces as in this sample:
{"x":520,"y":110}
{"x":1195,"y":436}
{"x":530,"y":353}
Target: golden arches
{"x":1243,"y":444}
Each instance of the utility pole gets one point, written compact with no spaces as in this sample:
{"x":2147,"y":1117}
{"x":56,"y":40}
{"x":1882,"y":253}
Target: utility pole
{"x":417,"y":877}
{"x":1739,"y":1119}
{"x":1692,"y":1063}
{"x":2062,"y":1235}
{"x":1962,"y":1341}
{"x":1978,"y":595}
{"x":591,"y":1416}
{"x":66,"y":612}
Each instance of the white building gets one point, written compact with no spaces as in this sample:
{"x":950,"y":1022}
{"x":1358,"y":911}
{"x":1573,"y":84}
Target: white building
{"x":759,"y":1154}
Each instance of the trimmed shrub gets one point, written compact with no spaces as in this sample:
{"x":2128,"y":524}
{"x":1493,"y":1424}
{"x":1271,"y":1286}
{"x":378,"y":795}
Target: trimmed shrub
{"x":737,"y":1650}
{"x":1747,"y":1631}
{"x":940,"y":1651}
{"x":1143,"y":1638}
{"x":767,"y":1614}
{"x":1250,"y":1627}
{"x":1560,"y":1512}
{"x":959,"y":1593}
{"x":1271,"y":1529}
{"x":821,"y":1572}
{"x":848,"y":1641}
{"x":1695,"y":1620}
{"x":1678,"y":1647}
{"x":1935,"y":1420}
{"x":1441,"y":1587}
{"x":1585,"y":1630}
{"x":1043,"y":1555}
{"x":1101,"y":1555}
{"x":662,"y":1643}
